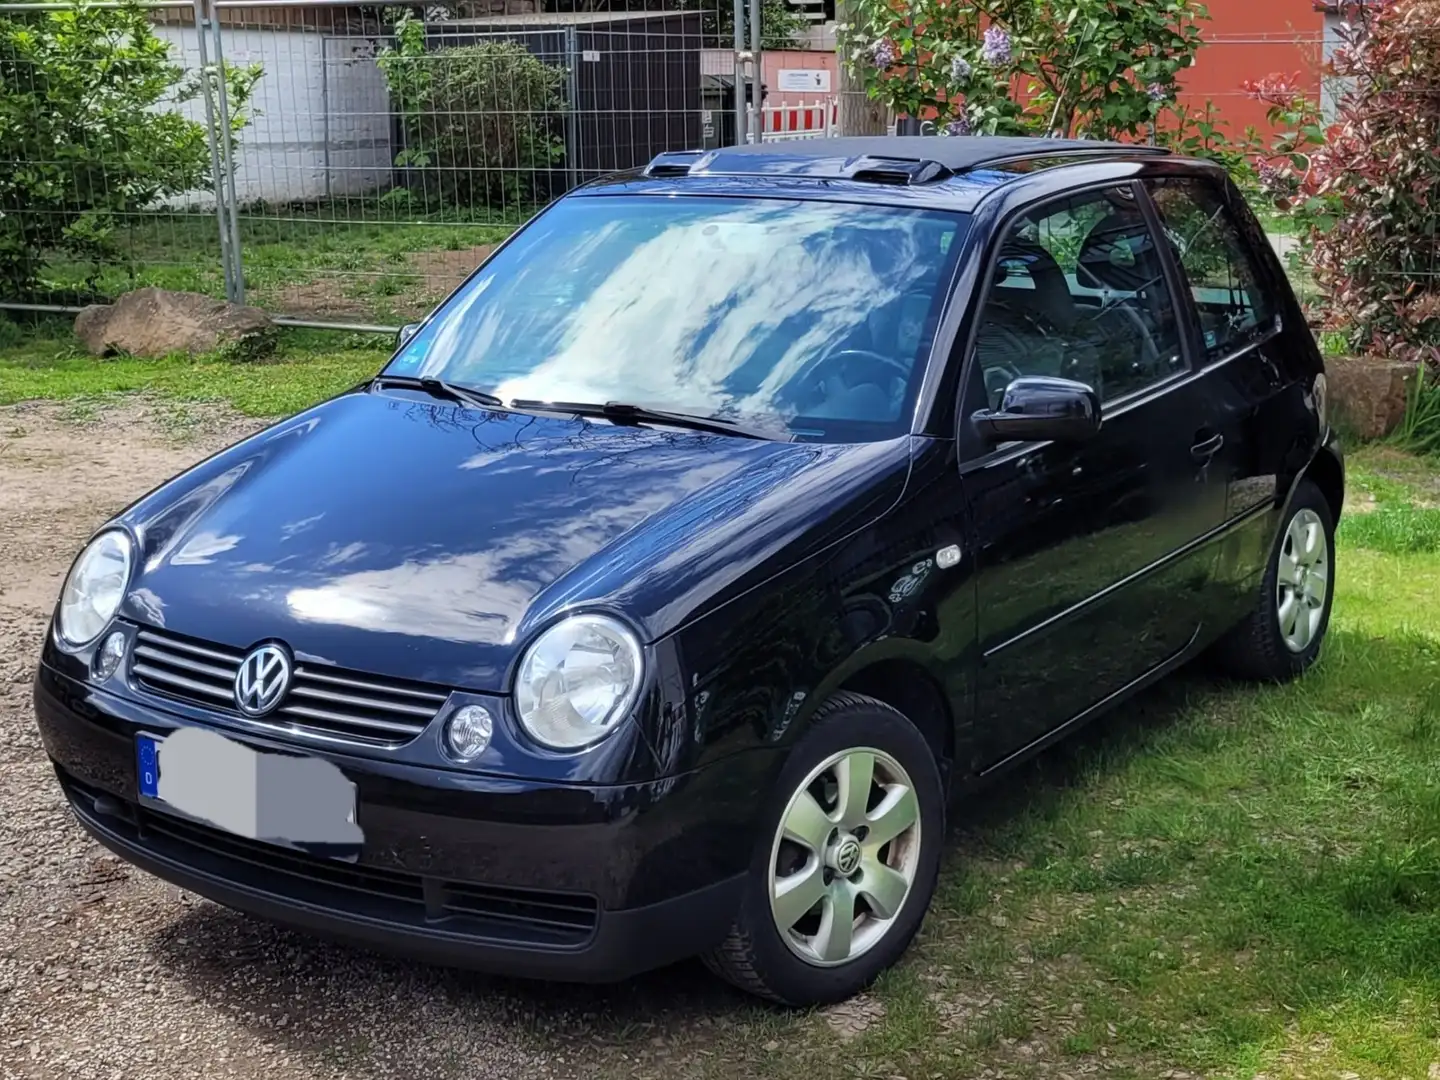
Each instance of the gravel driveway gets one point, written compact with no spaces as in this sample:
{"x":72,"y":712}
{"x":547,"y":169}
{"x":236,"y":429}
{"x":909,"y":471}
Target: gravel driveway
{"x":107,"y":972}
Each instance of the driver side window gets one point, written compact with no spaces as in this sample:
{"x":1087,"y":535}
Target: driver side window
{"x":1078,"y":291}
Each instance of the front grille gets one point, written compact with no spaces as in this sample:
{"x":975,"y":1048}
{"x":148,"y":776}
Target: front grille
{"x":482,"y":911}
{"x":328,"y":702}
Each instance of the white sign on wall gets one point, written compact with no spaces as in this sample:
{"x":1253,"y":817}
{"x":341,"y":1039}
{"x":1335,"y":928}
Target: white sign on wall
{"x":804,"y":81}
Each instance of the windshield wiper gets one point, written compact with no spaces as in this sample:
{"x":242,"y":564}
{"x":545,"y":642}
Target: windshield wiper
{"x":621,"y":412}
{"x":441,"y":389}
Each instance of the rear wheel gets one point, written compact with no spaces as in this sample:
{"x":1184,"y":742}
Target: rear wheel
{"x":1282,"y":635}
{"x":842,"y":877}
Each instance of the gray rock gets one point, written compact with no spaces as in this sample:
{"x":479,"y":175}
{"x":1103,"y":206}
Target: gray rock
{"x":157,"y":322}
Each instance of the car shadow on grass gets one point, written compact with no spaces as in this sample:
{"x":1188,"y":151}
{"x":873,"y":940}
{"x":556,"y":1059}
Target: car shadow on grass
{"x":362,"y":1012}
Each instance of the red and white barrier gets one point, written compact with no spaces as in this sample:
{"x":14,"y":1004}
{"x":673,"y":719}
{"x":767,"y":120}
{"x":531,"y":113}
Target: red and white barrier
{"x":787,"y":122}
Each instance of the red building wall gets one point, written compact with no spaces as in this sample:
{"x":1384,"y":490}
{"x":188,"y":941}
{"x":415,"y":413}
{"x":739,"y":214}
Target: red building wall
{"x":1244,"y":40}
{"x":1249,"y":39}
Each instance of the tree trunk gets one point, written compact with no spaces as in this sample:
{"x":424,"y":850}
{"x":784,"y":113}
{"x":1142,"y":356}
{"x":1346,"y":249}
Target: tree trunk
{"x":858,"y":114}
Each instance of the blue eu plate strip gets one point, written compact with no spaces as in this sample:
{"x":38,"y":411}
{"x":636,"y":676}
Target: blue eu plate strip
{"x":147,"y":766}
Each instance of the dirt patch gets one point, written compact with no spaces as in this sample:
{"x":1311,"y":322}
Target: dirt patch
{"x":409,"y":290}
{"x":441,"y":271}
{"x":853,"y":1018}
{"x":324,"y":298}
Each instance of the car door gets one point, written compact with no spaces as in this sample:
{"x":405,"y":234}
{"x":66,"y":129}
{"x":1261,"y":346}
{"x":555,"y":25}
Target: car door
{"x":1246,"y":360}
{"x":1089,"y":559}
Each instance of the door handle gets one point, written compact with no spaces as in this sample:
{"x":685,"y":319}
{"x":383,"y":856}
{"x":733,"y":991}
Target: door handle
{"x":1207,"y":448}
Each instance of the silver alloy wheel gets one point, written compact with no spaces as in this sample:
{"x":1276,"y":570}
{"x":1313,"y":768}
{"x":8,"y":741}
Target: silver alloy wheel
{"x":1302,"y":580}
{"x":845,"y":856}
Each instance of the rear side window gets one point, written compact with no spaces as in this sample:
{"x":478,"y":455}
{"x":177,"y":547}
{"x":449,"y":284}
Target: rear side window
{"x":1219,"y":265}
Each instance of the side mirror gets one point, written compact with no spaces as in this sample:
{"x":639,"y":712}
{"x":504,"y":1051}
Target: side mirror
{"x":408,"y":331}
{"x":1036,"y":408}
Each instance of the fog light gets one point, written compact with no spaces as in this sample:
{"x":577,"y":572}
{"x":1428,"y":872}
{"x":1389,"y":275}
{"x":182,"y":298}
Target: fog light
{"x":468,"y":732}
{"x":107,"y":660}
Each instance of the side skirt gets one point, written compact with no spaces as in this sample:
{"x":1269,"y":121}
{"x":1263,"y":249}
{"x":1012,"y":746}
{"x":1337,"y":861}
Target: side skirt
{"x":1079,"y":720}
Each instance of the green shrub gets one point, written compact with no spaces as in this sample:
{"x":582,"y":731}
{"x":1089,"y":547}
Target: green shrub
{"x":481,"y":121}
{"x":86,"y":135}
{"x":1100,"y":68}
{"x":1380,"y":167}
{"x":1419,"y":432}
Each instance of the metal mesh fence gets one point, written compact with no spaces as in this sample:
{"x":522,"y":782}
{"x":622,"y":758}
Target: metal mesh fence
{"x":377,"y":152}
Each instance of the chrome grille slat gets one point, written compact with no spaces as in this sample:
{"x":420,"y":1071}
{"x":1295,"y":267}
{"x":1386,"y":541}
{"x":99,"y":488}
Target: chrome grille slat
{"x":301,"y":690}
{"x":342,"y":718}
{"x":145,"y":671}
{"x":159,"y":655}
{"x":358,"y":684}
{"x":186,"y":646}
{"x":329,"y":705}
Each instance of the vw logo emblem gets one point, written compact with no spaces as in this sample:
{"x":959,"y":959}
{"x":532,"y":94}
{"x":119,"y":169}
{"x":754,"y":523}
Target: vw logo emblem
{"x":847,"y":857}
{"x":262,"y":680}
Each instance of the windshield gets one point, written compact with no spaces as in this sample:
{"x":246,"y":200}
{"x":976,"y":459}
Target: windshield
{"x":811,"y":319}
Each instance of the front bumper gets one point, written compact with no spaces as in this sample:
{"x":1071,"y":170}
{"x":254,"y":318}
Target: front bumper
{"x":532,"y":879}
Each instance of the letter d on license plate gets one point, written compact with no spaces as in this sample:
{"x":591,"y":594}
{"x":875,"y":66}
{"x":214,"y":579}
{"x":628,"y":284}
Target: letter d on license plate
{"x":279,"y":798}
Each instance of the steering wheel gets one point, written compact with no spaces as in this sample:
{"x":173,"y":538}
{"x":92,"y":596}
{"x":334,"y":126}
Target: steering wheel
{"x":855,"y":367}
{"x":1149,"y":361}
{"x":882,"y":367}
{"x":1007,"y":350}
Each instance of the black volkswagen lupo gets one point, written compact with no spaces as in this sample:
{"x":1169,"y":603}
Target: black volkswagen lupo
{"x":662,"y":589}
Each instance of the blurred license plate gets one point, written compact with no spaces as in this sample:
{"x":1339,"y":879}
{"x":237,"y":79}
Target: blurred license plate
{"x":282,"y":799}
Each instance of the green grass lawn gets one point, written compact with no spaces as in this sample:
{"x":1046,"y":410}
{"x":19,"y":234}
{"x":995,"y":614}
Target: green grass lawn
{"x":1216,"y":880}
{"x":309,"y":366}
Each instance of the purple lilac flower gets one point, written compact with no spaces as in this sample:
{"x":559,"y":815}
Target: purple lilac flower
{"x":959,"y":126}
{"x":883,"y":54}
{"x":1269,"y":175}
{"x":1157,"y":92}
{"x":960,"y":70}
{"x":996,"y":50}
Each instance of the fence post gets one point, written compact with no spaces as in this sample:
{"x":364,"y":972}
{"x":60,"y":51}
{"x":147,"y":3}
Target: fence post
{"x":757,"y":72}
{"x":572,"y":107}
{"x":217,"y":176}
{"x":222,"y":98}
{"x":742,"y":120}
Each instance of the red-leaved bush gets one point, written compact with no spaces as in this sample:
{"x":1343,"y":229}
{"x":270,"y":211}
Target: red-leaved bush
{"x":1378,"y":264}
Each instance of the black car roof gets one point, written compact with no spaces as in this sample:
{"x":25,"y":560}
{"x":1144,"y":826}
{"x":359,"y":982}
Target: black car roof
{"x":905,"y":159}
{"x":944,"y":172}
{"x":957,"y":153}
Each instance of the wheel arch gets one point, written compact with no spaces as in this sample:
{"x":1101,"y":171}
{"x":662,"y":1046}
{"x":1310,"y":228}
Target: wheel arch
{"x":908,"y":687}
{"x":1327,"y":472}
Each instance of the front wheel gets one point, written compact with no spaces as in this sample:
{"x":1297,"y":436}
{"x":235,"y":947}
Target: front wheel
{"x":844,"y":873}
{"x":1282,"y":635}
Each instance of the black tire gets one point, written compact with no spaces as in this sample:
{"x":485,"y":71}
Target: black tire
{"x":1256,"y":649}
{"x":754,"y":957}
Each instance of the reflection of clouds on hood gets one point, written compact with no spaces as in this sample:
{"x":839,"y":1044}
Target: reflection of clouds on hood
{"x":481,"y":596}
{"x":458,"y":598}
{"x":202,"y":548}
{"x":681,"y":310}
{"x":169,"y":529}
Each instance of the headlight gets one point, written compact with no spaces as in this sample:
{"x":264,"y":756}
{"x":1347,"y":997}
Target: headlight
{"x":577,"y":681}
{"x":95,"y":587}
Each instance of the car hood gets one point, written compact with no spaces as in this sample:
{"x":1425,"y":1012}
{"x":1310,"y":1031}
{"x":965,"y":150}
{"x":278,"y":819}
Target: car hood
{"x":396,"y":535}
